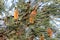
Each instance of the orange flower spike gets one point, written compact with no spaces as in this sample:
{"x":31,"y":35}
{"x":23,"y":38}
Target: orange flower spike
{"x":32,"y":16}
{"x":16,"y":14}
{"x":50,"y":32}
{"x":33,"y":13}
{"x":31,"y":20}
{"x":42,"y":37}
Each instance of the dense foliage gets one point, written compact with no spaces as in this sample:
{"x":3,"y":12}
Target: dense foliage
{"x":30,"y":21}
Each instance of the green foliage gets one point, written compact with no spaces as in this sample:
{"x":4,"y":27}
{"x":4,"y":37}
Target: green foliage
{"x":1,"y":5}
{"x":39,"y":27}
